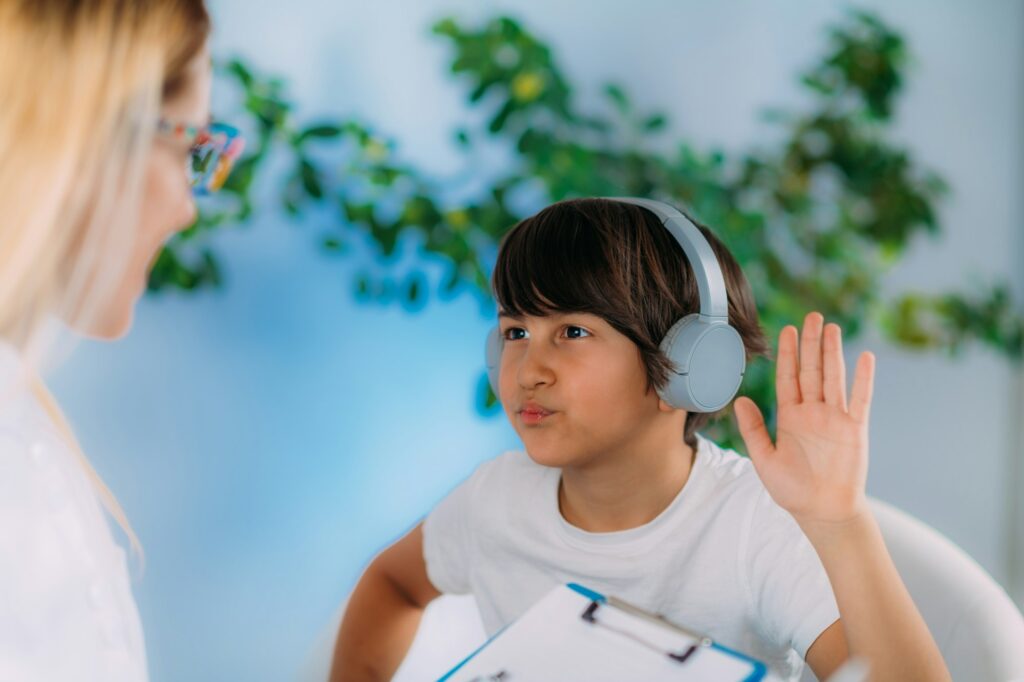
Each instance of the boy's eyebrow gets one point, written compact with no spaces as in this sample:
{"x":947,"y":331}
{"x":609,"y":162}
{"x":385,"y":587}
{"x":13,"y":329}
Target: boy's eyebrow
{"x":505,"y":313}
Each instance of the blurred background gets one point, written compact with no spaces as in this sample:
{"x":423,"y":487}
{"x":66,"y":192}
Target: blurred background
{"x":304,"y":380}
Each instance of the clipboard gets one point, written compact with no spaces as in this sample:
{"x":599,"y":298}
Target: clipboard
{"x":574,"y":633}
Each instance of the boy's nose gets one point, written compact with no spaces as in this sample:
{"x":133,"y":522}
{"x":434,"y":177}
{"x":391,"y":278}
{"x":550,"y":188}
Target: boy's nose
{"x":534,"y":369}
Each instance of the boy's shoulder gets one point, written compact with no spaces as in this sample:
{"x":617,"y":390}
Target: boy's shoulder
{"x":494,"y":488}
{"x":723,"y":464}
{"x":725,"y":477}
{"x":731,"y":486}
{"x":502,"y":482}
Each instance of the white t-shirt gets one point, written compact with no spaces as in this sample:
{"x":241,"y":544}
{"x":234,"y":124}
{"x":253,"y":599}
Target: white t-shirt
{"x":66,"y":607}
{"x":722,"y":559}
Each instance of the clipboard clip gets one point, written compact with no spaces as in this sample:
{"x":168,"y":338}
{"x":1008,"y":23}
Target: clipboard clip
{"x":682,"y":656}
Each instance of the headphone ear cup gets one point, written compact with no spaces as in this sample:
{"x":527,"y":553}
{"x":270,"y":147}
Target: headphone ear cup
{"x":492,"y":356}
{"x":709,"y":360}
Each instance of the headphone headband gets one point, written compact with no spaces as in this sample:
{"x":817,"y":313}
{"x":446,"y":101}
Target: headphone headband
{"x":714,"y":301}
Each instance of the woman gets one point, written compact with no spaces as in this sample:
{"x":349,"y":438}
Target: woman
{"x":102,"y":129}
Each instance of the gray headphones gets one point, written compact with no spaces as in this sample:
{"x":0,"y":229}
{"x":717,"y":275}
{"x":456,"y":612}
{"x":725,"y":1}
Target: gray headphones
{"x":706,"y":352}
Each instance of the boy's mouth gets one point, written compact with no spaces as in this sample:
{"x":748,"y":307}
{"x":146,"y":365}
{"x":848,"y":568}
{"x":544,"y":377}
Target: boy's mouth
{"x":532,"y":413}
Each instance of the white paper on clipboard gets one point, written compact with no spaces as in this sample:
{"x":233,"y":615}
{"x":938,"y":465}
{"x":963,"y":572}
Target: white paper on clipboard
{"x":553,"y":642}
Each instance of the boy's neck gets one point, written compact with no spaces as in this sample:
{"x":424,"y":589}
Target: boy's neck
{"x":627,"y":489}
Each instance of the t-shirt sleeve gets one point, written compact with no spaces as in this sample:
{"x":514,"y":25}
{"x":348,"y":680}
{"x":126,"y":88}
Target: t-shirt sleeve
{"x":448,"y":537}
{"x":790,"y":592}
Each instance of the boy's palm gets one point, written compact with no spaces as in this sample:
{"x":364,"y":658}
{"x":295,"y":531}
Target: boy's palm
{"x":817,"y":467}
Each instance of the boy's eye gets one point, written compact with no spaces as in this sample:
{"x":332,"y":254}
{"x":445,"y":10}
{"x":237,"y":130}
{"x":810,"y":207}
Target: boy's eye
{"x":514,"y":334}
{"x":574,"y":332}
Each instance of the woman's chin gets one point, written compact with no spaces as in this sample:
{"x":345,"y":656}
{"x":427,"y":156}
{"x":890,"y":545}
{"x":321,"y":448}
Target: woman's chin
{"x":111,"y":326}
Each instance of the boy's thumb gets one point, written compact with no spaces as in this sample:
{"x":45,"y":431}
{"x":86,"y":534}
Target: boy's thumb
{"x":752,"y":428}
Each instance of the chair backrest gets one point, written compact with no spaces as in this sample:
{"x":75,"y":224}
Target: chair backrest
{"x":977,"y":627}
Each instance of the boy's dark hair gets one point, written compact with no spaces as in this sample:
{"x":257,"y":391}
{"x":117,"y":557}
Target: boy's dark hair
{"x":616,"y":261}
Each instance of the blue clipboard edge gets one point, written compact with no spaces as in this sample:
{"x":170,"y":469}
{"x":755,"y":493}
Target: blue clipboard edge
{"x":760,"y":670}
{"x":588,"y":593}
{"x":467,"y":659}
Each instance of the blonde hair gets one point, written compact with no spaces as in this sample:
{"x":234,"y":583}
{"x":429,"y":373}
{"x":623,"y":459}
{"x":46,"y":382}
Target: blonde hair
{"x":81,"y":86}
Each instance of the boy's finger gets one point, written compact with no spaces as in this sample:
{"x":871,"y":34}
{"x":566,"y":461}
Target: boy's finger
{"x":810,"y":358}
{"x":787,"y":390}
{"x":835,"y":367}
{"x":752,"y":428}
{"x":863,"y":386}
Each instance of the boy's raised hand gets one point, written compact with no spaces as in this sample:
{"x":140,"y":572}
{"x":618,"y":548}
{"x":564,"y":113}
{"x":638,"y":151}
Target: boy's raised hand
{"x":817,"y":467}
{"x":816,"y":470}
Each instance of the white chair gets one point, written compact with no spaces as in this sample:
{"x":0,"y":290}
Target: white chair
{"x":978,"y":628}
{"x":975,"y":624}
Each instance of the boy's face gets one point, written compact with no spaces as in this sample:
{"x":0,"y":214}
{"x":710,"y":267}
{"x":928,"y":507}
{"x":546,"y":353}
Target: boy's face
{"x":574,"y":388}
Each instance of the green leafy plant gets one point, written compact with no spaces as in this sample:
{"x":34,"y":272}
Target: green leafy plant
{"x":816,"y":221}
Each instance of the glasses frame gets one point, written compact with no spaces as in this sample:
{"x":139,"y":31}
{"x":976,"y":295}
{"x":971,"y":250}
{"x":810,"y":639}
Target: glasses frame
{"x":214,"y":149}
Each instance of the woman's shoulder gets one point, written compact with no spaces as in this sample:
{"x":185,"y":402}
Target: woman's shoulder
{"x":21,"y":416}
{"x":67,"y":578}
{"x":24,"y":472}
{"x":45,"y":498}
{"x":49,"y":513}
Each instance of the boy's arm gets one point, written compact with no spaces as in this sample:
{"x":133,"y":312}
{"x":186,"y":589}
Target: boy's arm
{"x":881,"y":622}
{"x":817,"y":470}
{"x":383,"y":613}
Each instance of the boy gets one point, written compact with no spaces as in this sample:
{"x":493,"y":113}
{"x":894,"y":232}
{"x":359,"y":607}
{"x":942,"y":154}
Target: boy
{"x":777,"y":556}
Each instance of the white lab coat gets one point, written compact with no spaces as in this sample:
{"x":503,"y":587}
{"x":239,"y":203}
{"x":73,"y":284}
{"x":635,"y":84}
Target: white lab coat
{"x":66,"y":607}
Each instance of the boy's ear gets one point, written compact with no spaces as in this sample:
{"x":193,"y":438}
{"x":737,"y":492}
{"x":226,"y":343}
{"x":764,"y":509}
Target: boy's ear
{"x":665,"y":407}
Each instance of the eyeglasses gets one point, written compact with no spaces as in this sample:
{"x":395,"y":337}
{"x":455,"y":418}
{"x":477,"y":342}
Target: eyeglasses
{"x":214,"y":148}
